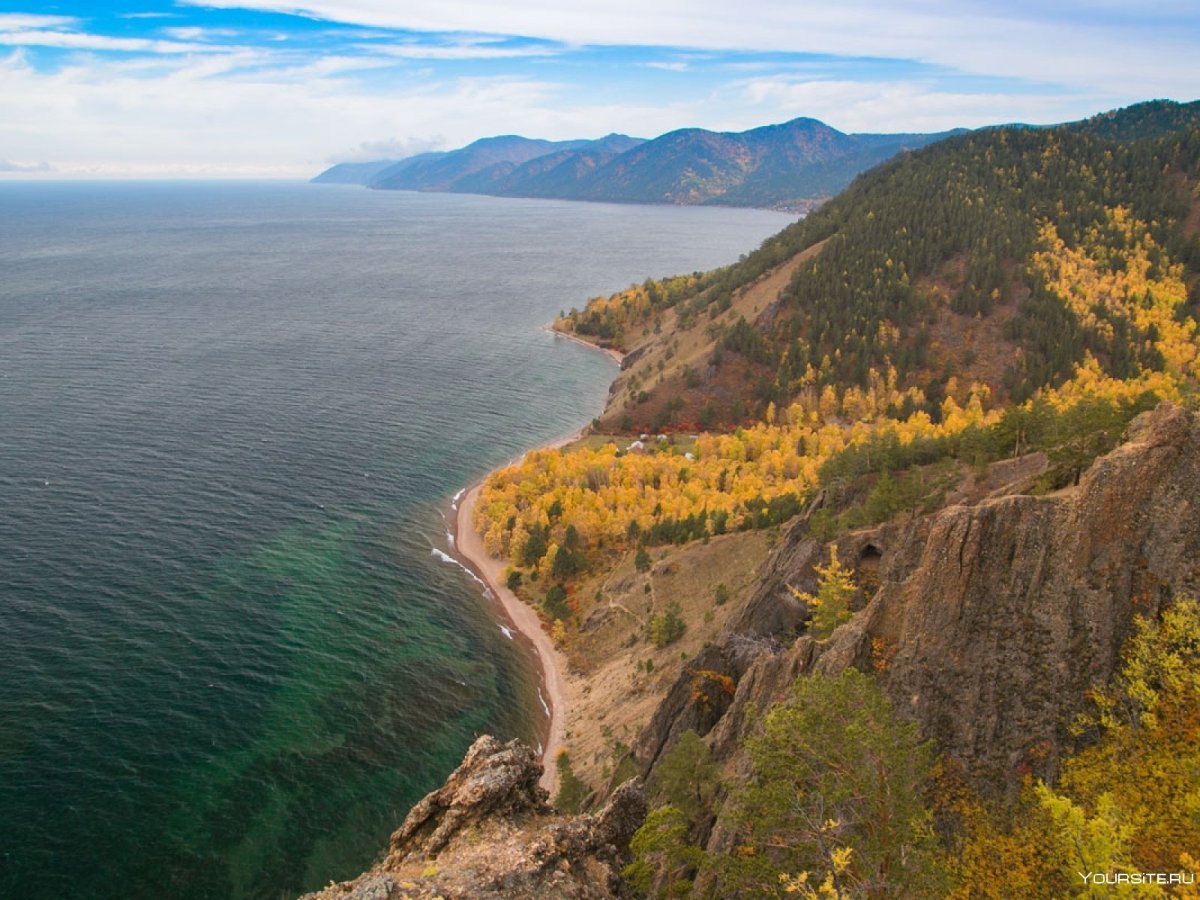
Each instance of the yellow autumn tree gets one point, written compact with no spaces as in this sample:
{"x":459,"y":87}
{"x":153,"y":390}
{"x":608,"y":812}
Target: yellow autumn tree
{"x":1129,"y":802}
{"x":831,"y":604}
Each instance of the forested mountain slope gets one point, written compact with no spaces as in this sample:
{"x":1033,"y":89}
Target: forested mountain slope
{"x":443,"y":171}
{"x":953,"y":261}
{"x":789,"y":164}
{"x":1153,"y":118}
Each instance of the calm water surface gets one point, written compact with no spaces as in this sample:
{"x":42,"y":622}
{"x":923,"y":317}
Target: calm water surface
{"x":230,"y":415}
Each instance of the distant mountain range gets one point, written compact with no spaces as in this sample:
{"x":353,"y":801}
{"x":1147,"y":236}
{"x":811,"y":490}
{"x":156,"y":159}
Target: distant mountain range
{"x":793,"y":165}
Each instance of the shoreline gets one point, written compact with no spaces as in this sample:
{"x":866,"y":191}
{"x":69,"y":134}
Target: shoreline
{"x":615,"y":355}
{"x":467,"y":548}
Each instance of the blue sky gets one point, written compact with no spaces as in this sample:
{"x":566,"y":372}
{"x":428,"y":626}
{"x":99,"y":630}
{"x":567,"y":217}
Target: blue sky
{"x":283,"y":88}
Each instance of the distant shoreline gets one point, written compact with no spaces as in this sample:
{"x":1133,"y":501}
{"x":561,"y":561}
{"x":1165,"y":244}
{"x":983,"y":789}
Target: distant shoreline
{"x":468,"y":549}
{"x":615,"y":355}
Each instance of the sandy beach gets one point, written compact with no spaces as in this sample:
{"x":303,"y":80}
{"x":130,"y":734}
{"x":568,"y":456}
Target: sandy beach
{"x":469,"y":547}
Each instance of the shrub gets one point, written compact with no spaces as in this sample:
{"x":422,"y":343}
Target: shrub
{"x":667,"y":627}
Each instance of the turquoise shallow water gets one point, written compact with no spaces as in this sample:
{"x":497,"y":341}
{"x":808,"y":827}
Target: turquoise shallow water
{"x":230,"y":415}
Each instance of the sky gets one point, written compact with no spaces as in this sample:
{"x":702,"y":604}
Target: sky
{"x":285,"y":88}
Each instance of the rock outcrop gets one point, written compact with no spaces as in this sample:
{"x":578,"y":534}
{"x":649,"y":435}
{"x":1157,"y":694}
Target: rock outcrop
{"x":993,"y":619}
{"x":494,"y":779}
{"x":489,"y":833}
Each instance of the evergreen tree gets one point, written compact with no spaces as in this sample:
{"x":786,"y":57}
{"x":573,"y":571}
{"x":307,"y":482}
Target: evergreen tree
{"x":667,"y":627}
{"x":686,"y":777}
{"x":555,"y":603}
{"x":663,"y":860}
{"x":837,"y":792}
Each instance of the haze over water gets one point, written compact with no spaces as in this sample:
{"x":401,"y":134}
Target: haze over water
{"x":230,"y":416}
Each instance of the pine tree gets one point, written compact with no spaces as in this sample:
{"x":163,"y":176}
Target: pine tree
{"x":837,"y":791}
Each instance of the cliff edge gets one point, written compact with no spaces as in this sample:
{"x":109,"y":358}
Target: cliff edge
{"x":489,"y":833}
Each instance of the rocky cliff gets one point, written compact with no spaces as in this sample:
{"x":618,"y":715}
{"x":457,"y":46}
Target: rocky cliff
{"x":489,"y":833}
{"x":993,"y":619}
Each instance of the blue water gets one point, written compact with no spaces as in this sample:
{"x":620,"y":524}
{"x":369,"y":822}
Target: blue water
{"x":230,"y":417}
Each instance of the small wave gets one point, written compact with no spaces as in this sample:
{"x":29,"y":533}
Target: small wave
{"x":450,"y":537}
{"x":507,"y":632}
{"x":454,"y":500}
{"x":542,"y":700}
{"x":447,"y":558}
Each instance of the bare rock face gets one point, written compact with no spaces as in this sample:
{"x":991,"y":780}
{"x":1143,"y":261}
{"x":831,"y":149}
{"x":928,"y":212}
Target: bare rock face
{"x":760,"y":630}
{"x":991,"y":621}
{"x":695,"y":702}
{"x":494,"y":779}
{"x":489,"y":833}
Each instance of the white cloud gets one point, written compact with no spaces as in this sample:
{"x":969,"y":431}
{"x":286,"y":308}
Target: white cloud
{"x":105,"y":117}
{"x":77,"y":40}
{"x":21,"y":21}
{"x":254,"y":113}
{"x":462,"y":51}
{"x":184,"y":105}
{"x":391,"y":148}
{"x":192,"y":33}
{"x":1034,"y":44}
{"x":898,"y":106}
{"x":100,"y":117}
{"x":62,"y":32}
{"x":7,"y":166}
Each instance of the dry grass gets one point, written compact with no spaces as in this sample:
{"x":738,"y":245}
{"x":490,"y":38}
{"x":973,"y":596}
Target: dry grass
{"x":611,"y":695}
